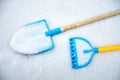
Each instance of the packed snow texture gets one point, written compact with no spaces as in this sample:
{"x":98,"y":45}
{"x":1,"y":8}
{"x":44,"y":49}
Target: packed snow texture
{"x":56,"y":63}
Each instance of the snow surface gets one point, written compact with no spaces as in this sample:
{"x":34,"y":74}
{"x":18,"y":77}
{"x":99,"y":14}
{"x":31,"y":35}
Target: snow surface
{"x":56,"y":63}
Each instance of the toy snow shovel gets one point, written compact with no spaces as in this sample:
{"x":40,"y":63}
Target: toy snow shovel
{"x":35,"y":37}
{"x":82,"y":51}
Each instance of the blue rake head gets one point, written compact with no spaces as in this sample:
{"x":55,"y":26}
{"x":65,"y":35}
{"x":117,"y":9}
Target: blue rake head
{"x":82,"y":52}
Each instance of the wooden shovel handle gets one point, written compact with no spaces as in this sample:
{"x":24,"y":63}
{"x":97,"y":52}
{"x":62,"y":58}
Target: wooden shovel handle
{"x":91,"y":20}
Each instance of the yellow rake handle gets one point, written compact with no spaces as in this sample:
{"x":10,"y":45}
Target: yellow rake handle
{"x":109,"y":48}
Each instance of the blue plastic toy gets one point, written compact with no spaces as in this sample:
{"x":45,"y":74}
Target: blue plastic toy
{"x":82,"y":51}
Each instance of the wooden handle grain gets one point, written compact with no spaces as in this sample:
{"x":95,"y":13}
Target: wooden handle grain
{"x":91,"y":20}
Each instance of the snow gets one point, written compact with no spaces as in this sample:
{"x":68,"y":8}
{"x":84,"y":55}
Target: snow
{"x":56,"y":63}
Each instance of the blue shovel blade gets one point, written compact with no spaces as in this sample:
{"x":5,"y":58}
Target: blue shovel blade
{"x":31,"y":38}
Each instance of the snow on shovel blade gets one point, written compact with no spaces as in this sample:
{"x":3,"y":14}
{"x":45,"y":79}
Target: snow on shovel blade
{"x":31,"y":38}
